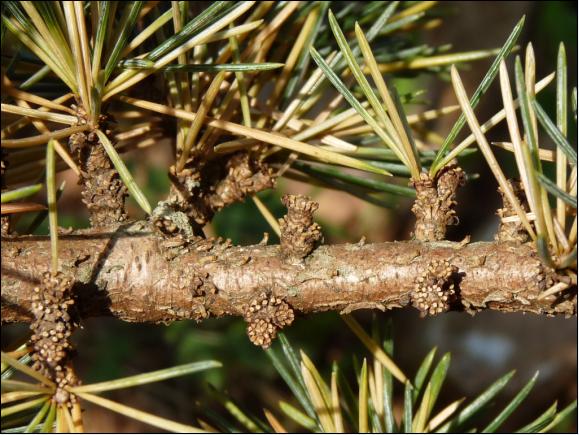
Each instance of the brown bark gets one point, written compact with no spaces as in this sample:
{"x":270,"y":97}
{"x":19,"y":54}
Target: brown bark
{"x":133,"y":274}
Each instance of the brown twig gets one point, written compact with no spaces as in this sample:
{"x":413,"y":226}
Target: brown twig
{"x":125,"y":272}
{"x":434,"y":205}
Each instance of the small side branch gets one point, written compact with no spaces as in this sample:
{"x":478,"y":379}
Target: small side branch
{"x":299,"y":233}
{"x":510,"y":228}
{"x":103,"y":191}
{"x":203,"y":188}
{"x":434,"y":205}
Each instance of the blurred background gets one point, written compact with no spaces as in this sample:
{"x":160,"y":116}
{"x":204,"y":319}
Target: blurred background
{"x":483,"y":347}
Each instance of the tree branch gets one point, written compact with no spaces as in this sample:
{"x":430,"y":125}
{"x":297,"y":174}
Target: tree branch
{"x":132,"y":273}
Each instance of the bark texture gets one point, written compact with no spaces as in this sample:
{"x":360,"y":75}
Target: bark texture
{"x":132,"y":273}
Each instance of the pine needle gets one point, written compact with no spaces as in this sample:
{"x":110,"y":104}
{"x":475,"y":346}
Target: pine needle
{"x":268,"y":216}
{"x":401,"y":127}
{"x":52,"y":212}
{"x":146,"y":378}
{"x":44,"y":138}
{"x":336,"y":408}
{"x":14,"y":396}
{"x":315,"y":394}
{"x":486,"y":150}
{"x":201,"y":37}
{"x":7,"y":359}
{"x":443,"y":415}
{"x":363,"y":399}
{"x":274,"y":422}
{"x":142,"y":416}
{"x":37,"y":114}
{"x":374,"y":347}
{"x":261,"y":135}
{"x":10,"y":410}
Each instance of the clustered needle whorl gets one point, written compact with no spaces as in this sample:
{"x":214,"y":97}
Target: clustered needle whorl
{"x":51,"y":330}
{"x":265,"y":316}
{"x":434,"y":290}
